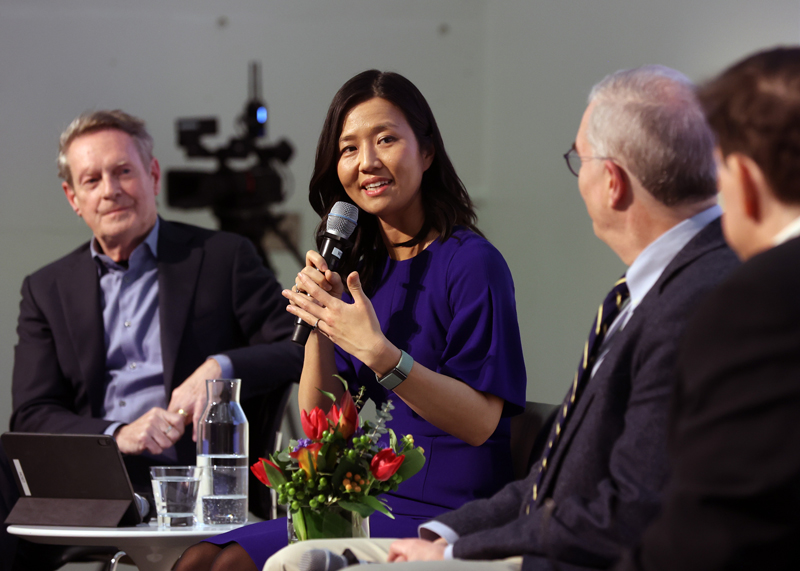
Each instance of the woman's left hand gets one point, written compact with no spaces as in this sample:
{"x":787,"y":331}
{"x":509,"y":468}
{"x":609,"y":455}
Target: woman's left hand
{"x":468,"y":414}
{"x":352,"y":326}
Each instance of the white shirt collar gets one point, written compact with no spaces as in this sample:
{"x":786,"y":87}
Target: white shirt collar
{"x":650,"y":264}
{"x":654,"y":259}
{"x":792,"y":230}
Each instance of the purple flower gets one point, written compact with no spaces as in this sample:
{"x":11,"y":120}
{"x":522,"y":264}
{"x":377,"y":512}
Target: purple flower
{"x":302,"y":443}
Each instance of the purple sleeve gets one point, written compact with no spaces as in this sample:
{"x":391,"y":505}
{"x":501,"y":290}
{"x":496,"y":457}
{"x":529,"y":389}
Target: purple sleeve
{"x":483,"y":343}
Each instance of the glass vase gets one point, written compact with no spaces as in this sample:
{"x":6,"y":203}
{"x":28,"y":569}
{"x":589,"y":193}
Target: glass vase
{"x":324,"y":523}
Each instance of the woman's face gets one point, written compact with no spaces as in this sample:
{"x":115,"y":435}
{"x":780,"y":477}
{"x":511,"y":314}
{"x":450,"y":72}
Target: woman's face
{"x":381,"y":164}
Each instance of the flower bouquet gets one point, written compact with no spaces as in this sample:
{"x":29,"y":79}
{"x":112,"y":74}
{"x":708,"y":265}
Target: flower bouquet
{"x":331,"y":480}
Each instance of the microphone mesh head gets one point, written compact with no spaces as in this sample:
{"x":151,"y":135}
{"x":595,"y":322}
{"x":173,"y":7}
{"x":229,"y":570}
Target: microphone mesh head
{"x":342,"y":219}
{"x":321,"y":560}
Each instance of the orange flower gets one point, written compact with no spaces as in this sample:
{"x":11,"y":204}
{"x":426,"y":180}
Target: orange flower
{"x":344,"y":416}
{"x":314,"y":424}
{"x":307,"y":456}
{"x":385,"y":463}
{"x":261,"y":472}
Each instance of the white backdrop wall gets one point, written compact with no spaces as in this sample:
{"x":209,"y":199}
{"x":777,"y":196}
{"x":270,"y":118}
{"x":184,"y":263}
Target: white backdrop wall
{"x":542,"y":59}
{"x":507,"y":81}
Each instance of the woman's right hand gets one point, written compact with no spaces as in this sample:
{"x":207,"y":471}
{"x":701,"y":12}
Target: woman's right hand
{"x":317,"y":270}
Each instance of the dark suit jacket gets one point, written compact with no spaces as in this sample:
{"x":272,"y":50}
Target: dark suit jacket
{"x":733,"y":501}
{"x":214,"y":295}
{"x":608,"y":470}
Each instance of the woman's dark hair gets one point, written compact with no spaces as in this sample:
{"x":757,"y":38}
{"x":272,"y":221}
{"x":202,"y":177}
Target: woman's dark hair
{"x":445,"y":201}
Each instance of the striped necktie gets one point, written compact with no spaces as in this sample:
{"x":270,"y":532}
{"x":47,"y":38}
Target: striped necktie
{"x":608,"y":311}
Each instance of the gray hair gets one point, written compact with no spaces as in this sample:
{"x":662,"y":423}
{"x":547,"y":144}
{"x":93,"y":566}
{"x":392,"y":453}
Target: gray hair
{"x":649,"y":119}
{"x":93,"y":121}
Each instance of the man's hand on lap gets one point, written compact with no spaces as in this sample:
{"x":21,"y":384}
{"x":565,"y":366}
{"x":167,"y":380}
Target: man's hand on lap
{"x":154,"y":432}
{"x":416,"y":550}
{"x":190,"y":396}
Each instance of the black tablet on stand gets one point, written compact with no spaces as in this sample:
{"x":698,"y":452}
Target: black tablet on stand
{"x":69,"y":479}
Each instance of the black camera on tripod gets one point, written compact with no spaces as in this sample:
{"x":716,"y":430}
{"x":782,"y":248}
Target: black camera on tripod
{"x":239,"y":199}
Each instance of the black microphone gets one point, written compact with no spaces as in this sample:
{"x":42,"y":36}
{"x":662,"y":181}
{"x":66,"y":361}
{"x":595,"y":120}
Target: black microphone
{"x":336,"y":246}
{"x":326,"y":560}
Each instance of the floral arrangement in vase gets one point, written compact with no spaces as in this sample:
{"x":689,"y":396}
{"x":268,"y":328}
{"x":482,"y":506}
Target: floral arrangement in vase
{"x":331,"y":481}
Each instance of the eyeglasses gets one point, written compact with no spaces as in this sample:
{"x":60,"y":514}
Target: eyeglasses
{"x":574,"y":160}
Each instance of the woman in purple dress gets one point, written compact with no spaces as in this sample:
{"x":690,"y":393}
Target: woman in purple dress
{"x":426,"y":298}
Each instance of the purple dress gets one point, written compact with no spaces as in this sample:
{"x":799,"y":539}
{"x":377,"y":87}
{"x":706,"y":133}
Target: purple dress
{"x":452,"y":309}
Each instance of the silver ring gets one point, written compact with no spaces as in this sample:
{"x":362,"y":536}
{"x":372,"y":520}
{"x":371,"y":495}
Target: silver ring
{"x":317,"y":323}
{"x":168,"y":430}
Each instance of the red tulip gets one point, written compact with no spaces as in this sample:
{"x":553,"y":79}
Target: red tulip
{"x":261,"y":472}
{"x":314,"y":424}
{"x":307,"y":456}
{"x":385,"y":463}
{"x":344,"y":416}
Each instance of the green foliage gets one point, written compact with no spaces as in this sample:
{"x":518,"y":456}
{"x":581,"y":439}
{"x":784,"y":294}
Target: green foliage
{"x":358,"y":400}
{"x":324,"y":481}
{"x":412,"y":464}
{"x":299,"y":524}
{"x":343,"y":468}
{"x":274,"y":476}
{"x":376,"y":504}
{"x":329,"y":523}
{"x":359,"y":507}
{"x":327,"y":394}
{"x":384,"y":415}
{"x":344,"y":382}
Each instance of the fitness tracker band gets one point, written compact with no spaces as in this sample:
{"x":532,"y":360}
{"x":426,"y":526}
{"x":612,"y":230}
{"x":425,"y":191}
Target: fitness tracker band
{"x":393,"y":378}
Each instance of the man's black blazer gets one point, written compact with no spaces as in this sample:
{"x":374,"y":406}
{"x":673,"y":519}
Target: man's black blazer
{"x":214,"y":296}
{"x":733,"y":501}
{"x":607,"y":473}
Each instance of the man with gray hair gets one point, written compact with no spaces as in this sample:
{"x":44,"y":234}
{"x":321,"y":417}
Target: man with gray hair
{"x":643,"y":156}
{"x":119,"y":336}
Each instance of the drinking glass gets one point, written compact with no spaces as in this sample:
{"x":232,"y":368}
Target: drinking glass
{"x":175,"y":491}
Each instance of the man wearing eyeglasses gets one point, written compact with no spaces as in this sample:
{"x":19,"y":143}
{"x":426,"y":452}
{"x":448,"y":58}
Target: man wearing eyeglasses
{"x":643,"y":156}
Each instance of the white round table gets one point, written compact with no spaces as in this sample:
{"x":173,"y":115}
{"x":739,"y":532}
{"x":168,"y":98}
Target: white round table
{"x":151,"y":548}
